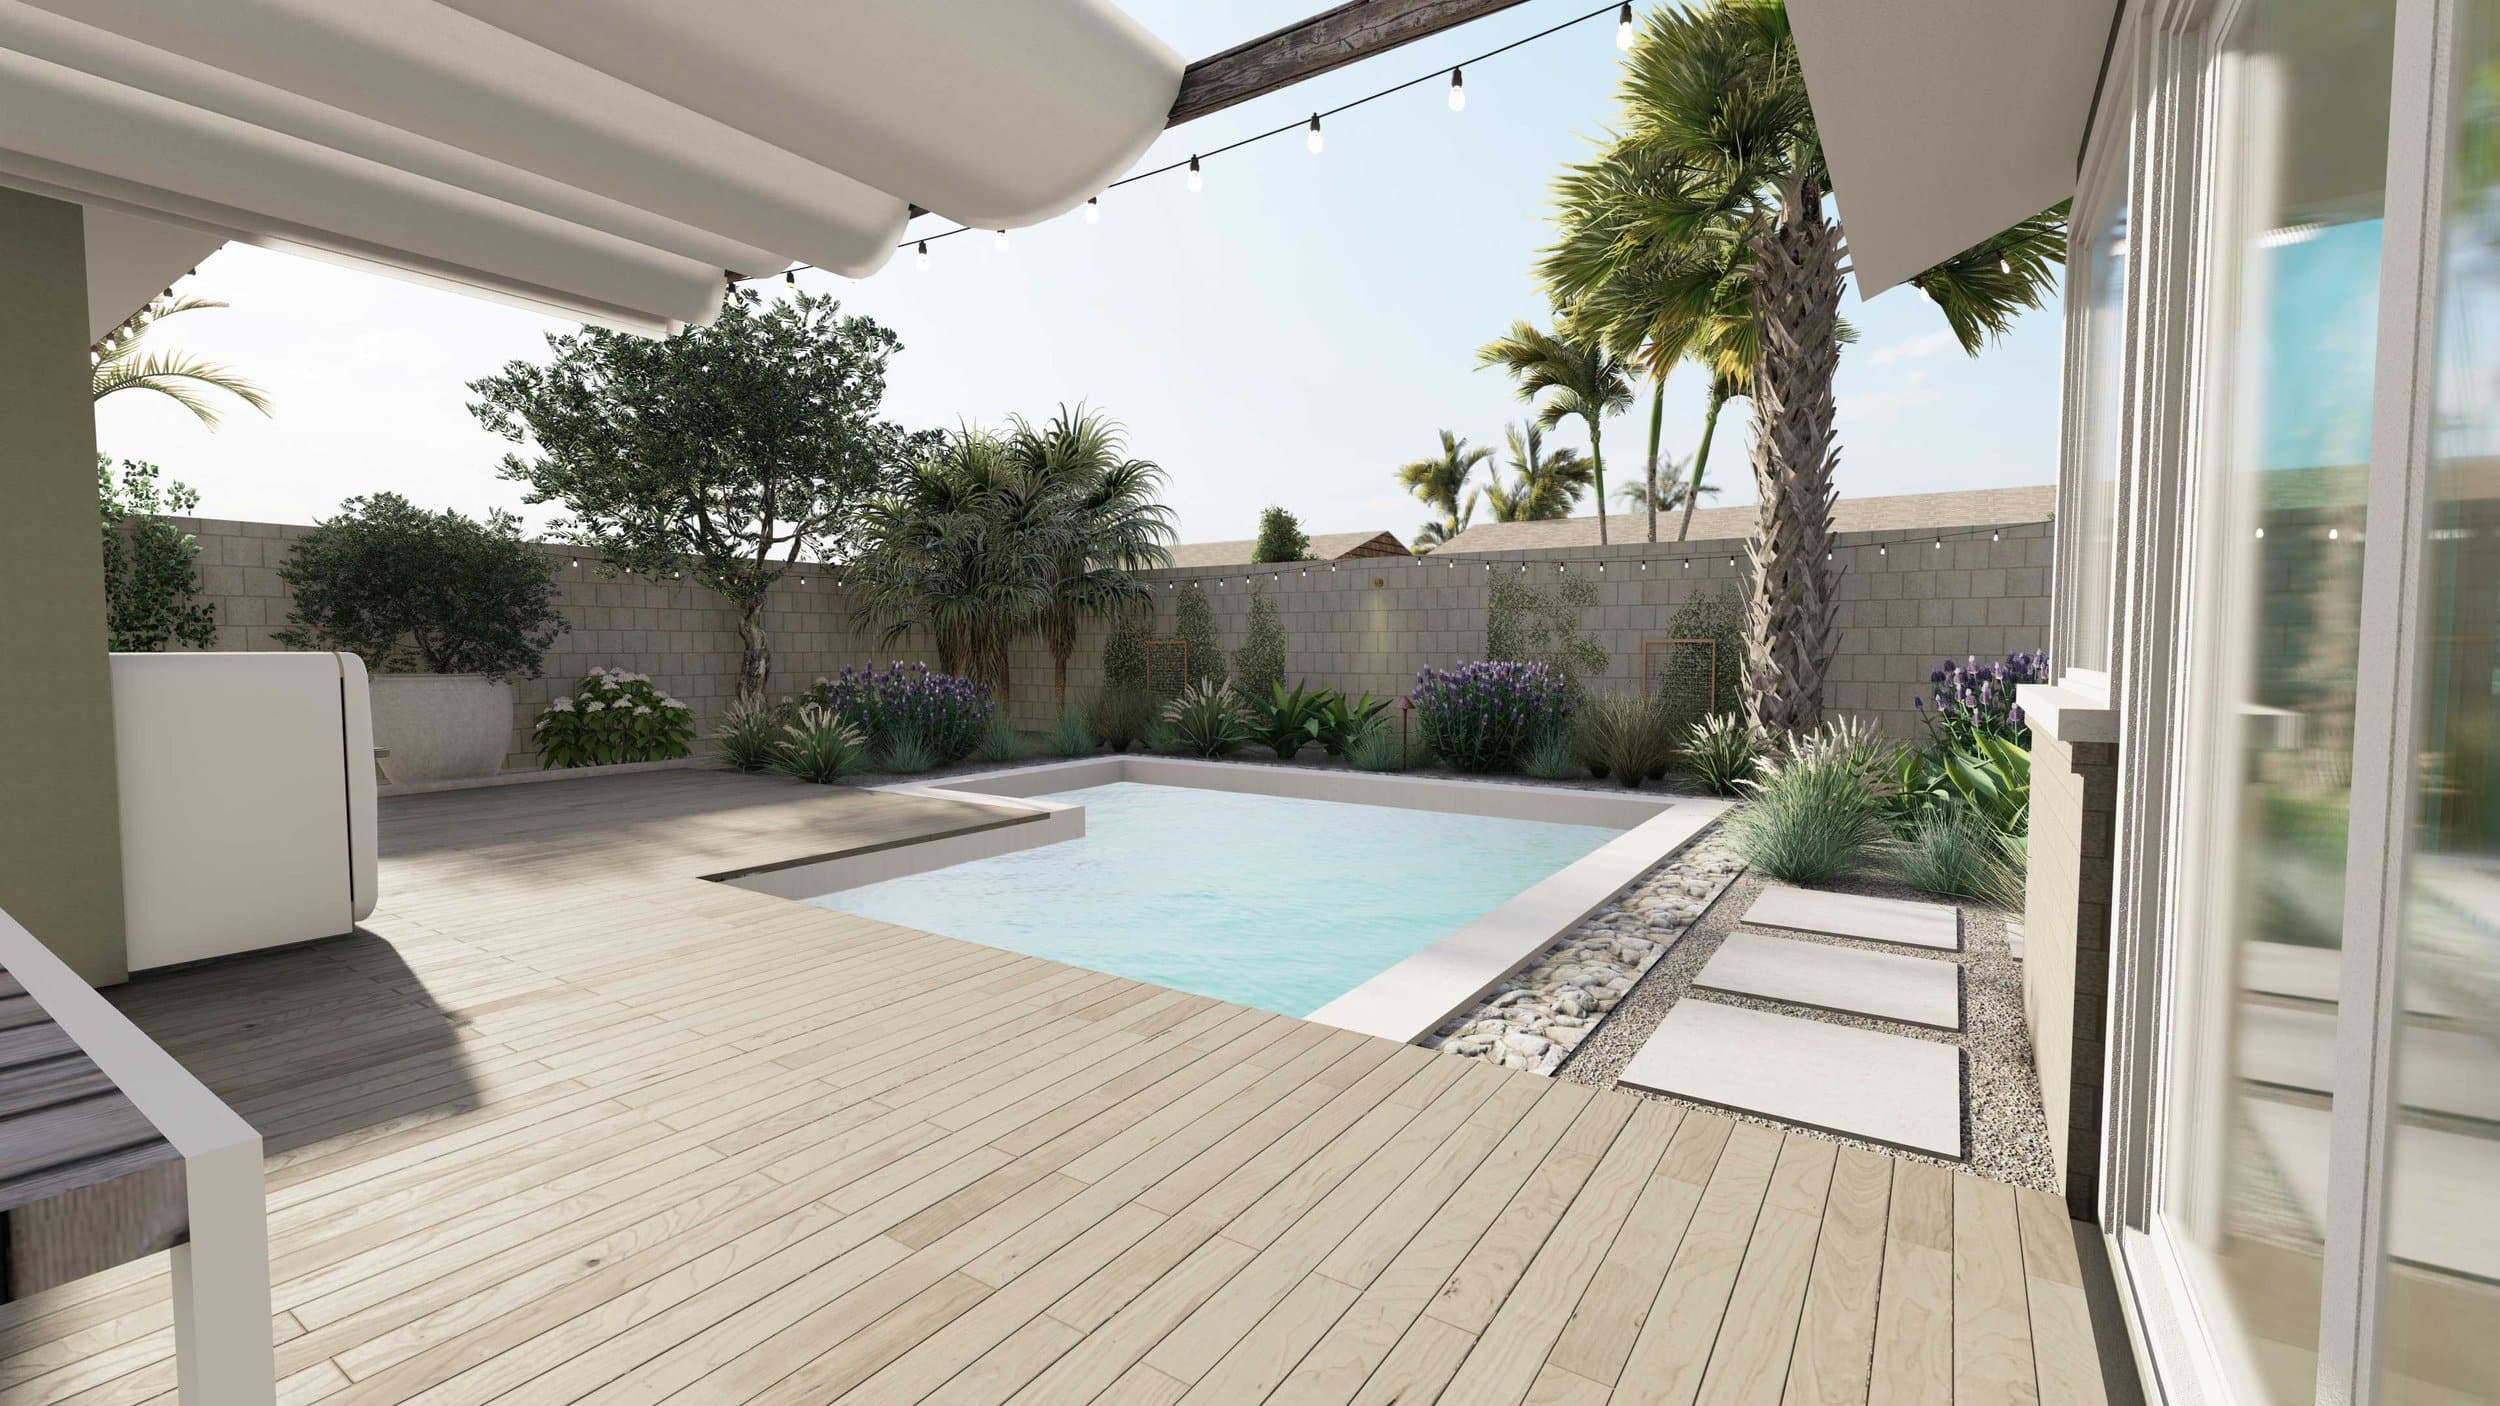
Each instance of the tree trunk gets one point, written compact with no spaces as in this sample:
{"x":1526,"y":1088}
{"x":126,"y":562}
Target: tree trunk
{"x":1701,"y":460}
{"x":1657,"y":413}
{"x":755,"y":655}
{"x":1789,"y":619}
{"x":1061,"y":646}
{"x":1597,"y":470}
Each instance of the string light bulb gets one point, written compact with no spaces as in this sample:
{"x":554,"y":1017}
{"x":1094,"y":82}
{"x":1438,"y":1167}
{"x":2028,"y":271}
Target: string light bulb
{"x":1623,"y":27}
{"x":790,"y":277}
{"x":1002,"y":241}
{"x":1458,"y":90}
{"x":922,"y":259}
{"x":1197,"y":178}
{"x":2005,"y":265}
{"x":1315,"y":141}
{"x":1093,"y":209}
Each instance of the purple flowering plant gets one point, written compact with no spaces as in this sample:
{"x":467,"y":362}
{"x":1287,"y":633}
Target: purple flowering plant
{"x":1974,"y":700}
{"x":902,"y":702}
{"x":1486,"y":716}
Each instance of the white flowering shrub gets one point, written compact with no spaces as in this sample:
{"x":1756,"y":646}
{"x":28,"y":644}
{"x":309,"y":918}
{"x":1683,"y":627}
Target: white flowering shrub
{"x":610,"y":717}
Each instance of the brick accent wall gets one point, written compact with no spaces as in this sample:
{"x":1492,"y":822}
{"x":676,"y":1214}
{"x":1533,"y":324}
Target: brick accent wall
{"x":2066,"y":950}
{"x":1368,"y":625}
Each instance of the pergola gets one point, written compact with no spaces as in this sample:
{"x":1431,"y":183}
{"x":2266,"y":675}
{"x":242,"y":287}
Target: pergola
{"x":613,"y":161}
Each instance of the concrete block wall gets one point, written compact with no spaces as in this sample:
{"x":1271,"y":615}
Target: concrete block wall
{"x":2066,"y":924}
{"x":1363,"y":625}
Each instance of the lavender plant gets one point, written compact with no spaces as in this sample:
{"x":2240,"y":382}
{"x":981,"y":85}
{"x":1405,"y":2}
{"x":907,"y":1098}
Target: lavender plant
{"x":1975,"y":700}
{"x":612,"y":716}
{"x":1487,"y":716}
{"x":908,"y":706}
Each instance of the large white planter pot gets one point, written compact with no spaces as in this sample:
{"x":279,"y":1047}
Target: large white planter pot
{"x":440,"y":727}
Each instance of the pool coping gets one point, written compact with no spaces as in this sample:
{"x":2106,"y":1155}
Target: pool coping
{"x":1408,"y":1000}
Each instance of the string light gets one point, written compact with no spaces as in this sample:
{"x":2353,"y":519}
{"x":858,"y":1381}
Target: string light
{"x":923,"y":259}
{"x":1002,"y":241}
{"x":1315,"y":141}
{"x":1197,"y":178}
{"x":1458,"y":90}
{"x":2005,"y":265}
{"x":1623,"y":27}
{"x":1093,"y":209}
{"x":791,"y":277}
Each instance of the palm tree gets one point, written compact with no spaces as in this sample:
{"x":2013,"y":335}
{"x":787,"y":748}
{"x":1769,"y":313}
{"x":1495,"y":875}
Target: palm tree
{"x":1564,"y":377}
{"x":953,"y":549}
{"x":1544,"y":485}
{"x":184,"y":378}
{"x":1667,"y":490}
{"x":1716,"y":184}
{"x":1101,"y":516}
{"x":1441,"y":482}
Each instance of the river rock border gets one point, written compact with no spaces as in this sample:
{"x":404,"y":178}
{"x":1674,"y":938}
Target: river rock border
{"x":1536,"y":1018}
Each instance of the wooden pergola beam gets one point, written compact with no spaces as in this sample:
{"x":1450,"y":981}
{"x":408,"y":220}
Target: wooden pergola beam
{"x":1329,"y":40}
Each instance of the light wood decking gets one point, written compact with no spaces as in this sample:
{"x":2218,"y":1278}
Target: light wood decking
{"x":570,"y":1124}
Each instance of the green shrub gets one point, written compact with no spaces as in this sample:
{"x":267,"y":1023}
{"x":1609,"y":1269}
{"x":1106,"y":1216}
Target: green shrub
{"x":1203,"y":722}
{"x":1285,"y":723}
{"x":1122,"y":717}
{"x":1001,"y":743}
{"x":1813,"y":814}
{"x":1379,"y":748}
{"x":749,"y":738}
{"x":1694,"y":681}
{"x":1992,"y":775}
{"x":1721,"y":751}
{"x":1281,"y":538}
{"x":151,"y":580}
{"x":1072,"y":735}
{"x":611,"y":717}
{"x":819,"y":746}
{"x":1193,"y":624}
{"x":419,"y":592}
{"x":1553,"y":759}
{"x":1957,"y":854}
{"x":1341,"y":720}
{"x":1259,"y":664}
{"x":906,"y":755}
{"x":1124,"y":663}
{"x":1629,"y":737}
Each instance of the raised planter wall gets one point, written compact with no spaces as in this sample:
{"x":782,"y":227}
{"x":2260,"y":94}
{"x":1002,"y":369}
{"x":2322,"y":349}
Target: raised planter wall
{"x":1368,"y":626}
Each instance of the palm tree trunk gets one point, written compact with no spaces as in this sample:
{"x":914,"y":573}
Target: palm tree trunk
{"x":1597,"y":471}
{"x":755,"y":655}
{"x":1701,"y":460}
{"x":1657,"y":413}
{"x":1790,"y":617}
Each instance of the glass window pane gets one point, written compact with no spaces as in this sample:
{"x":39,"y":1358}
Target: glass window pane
{"x":2303,"y":89}
{"x":2103,"y":269}
{"x":2442,"y":1225}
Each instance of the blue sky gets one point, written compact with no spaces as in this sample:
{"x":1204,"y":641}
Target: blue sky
{"x":1288,"y":335}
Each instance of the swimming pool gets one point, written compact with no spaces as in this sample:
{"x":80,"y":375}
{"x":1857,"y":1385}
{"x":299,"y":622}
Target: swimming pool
{"x":1268,"y":901}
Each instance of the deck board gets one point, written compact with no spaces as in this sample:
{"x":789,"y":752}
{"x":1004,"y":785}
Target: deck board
{"x":567,"y":1123}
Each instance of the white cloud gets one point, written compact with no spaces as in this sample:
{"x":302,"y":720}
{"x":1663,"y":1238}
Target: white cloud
{"x":1925,"y":345}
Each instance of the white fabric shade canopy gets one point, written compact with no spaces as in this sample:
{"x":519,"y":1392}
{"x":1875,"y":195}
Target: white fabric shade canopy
{"x":606,"y":159}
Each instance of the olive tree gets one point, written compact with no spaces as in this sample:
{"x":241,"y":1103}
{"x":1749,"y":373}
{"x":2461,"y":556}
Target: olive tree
{"x":729,"y":452}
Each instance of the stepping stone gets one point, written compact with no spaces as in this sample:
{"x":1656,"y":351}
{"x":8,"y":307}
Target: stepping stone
{"x":1891,"y":1089}
{"x":1936,"y":925}
{"x":1920,"y":990}
{"x":2014,"y":940}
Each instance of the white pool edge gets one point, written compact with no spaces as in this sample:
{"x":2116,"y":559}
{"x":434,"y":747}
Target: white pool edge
{"x":1409,"y":1000}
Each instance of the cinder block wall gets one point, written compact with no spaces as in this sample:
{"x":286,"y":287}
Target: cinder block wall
{"x":1368,"y":625}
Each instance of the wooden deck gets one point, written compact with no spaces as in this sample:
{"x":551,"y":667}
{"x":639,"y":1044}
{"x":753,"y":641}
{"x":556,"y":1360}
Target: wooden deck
{"x":569,"y":1124}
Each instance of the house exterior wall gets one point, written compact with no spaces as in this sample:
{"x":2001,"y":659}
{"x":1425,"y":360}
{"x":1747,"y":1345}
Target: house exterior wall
{"x":1367,"y":626}
{"x":2066,"y":950}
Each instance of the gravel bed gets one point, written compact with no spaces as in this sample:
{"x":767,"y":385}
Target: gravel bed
{"x":2002,"y":1123}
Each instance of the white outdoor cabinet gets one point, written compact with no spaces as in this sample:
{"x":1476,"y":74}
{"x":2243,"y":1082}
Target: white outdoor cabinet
{"x":247,"y":801}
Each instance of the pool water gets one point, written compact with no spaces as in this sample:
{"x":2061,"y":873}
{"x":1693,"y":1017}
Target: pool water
{"x":1263,"y":901}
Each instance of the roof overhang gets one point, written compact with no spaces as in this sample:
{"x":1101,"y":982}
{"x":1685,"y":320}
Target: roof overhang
{"x":1946,"y":121}
{"x":604,"y":159}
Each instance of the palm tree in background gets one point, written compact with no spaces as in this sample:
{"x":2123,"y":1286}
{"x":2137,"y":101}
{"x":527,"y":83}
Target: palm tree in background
{"x":1566,"y":377}
{"x":1544,"y":485}
{"x":1714,"y":185}
{"x":185,"y":379}
{"x":1667,"y":490}
{"x":1100,"y":513}
{"x":951,"y":550}
{"x":1441,"y":483}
